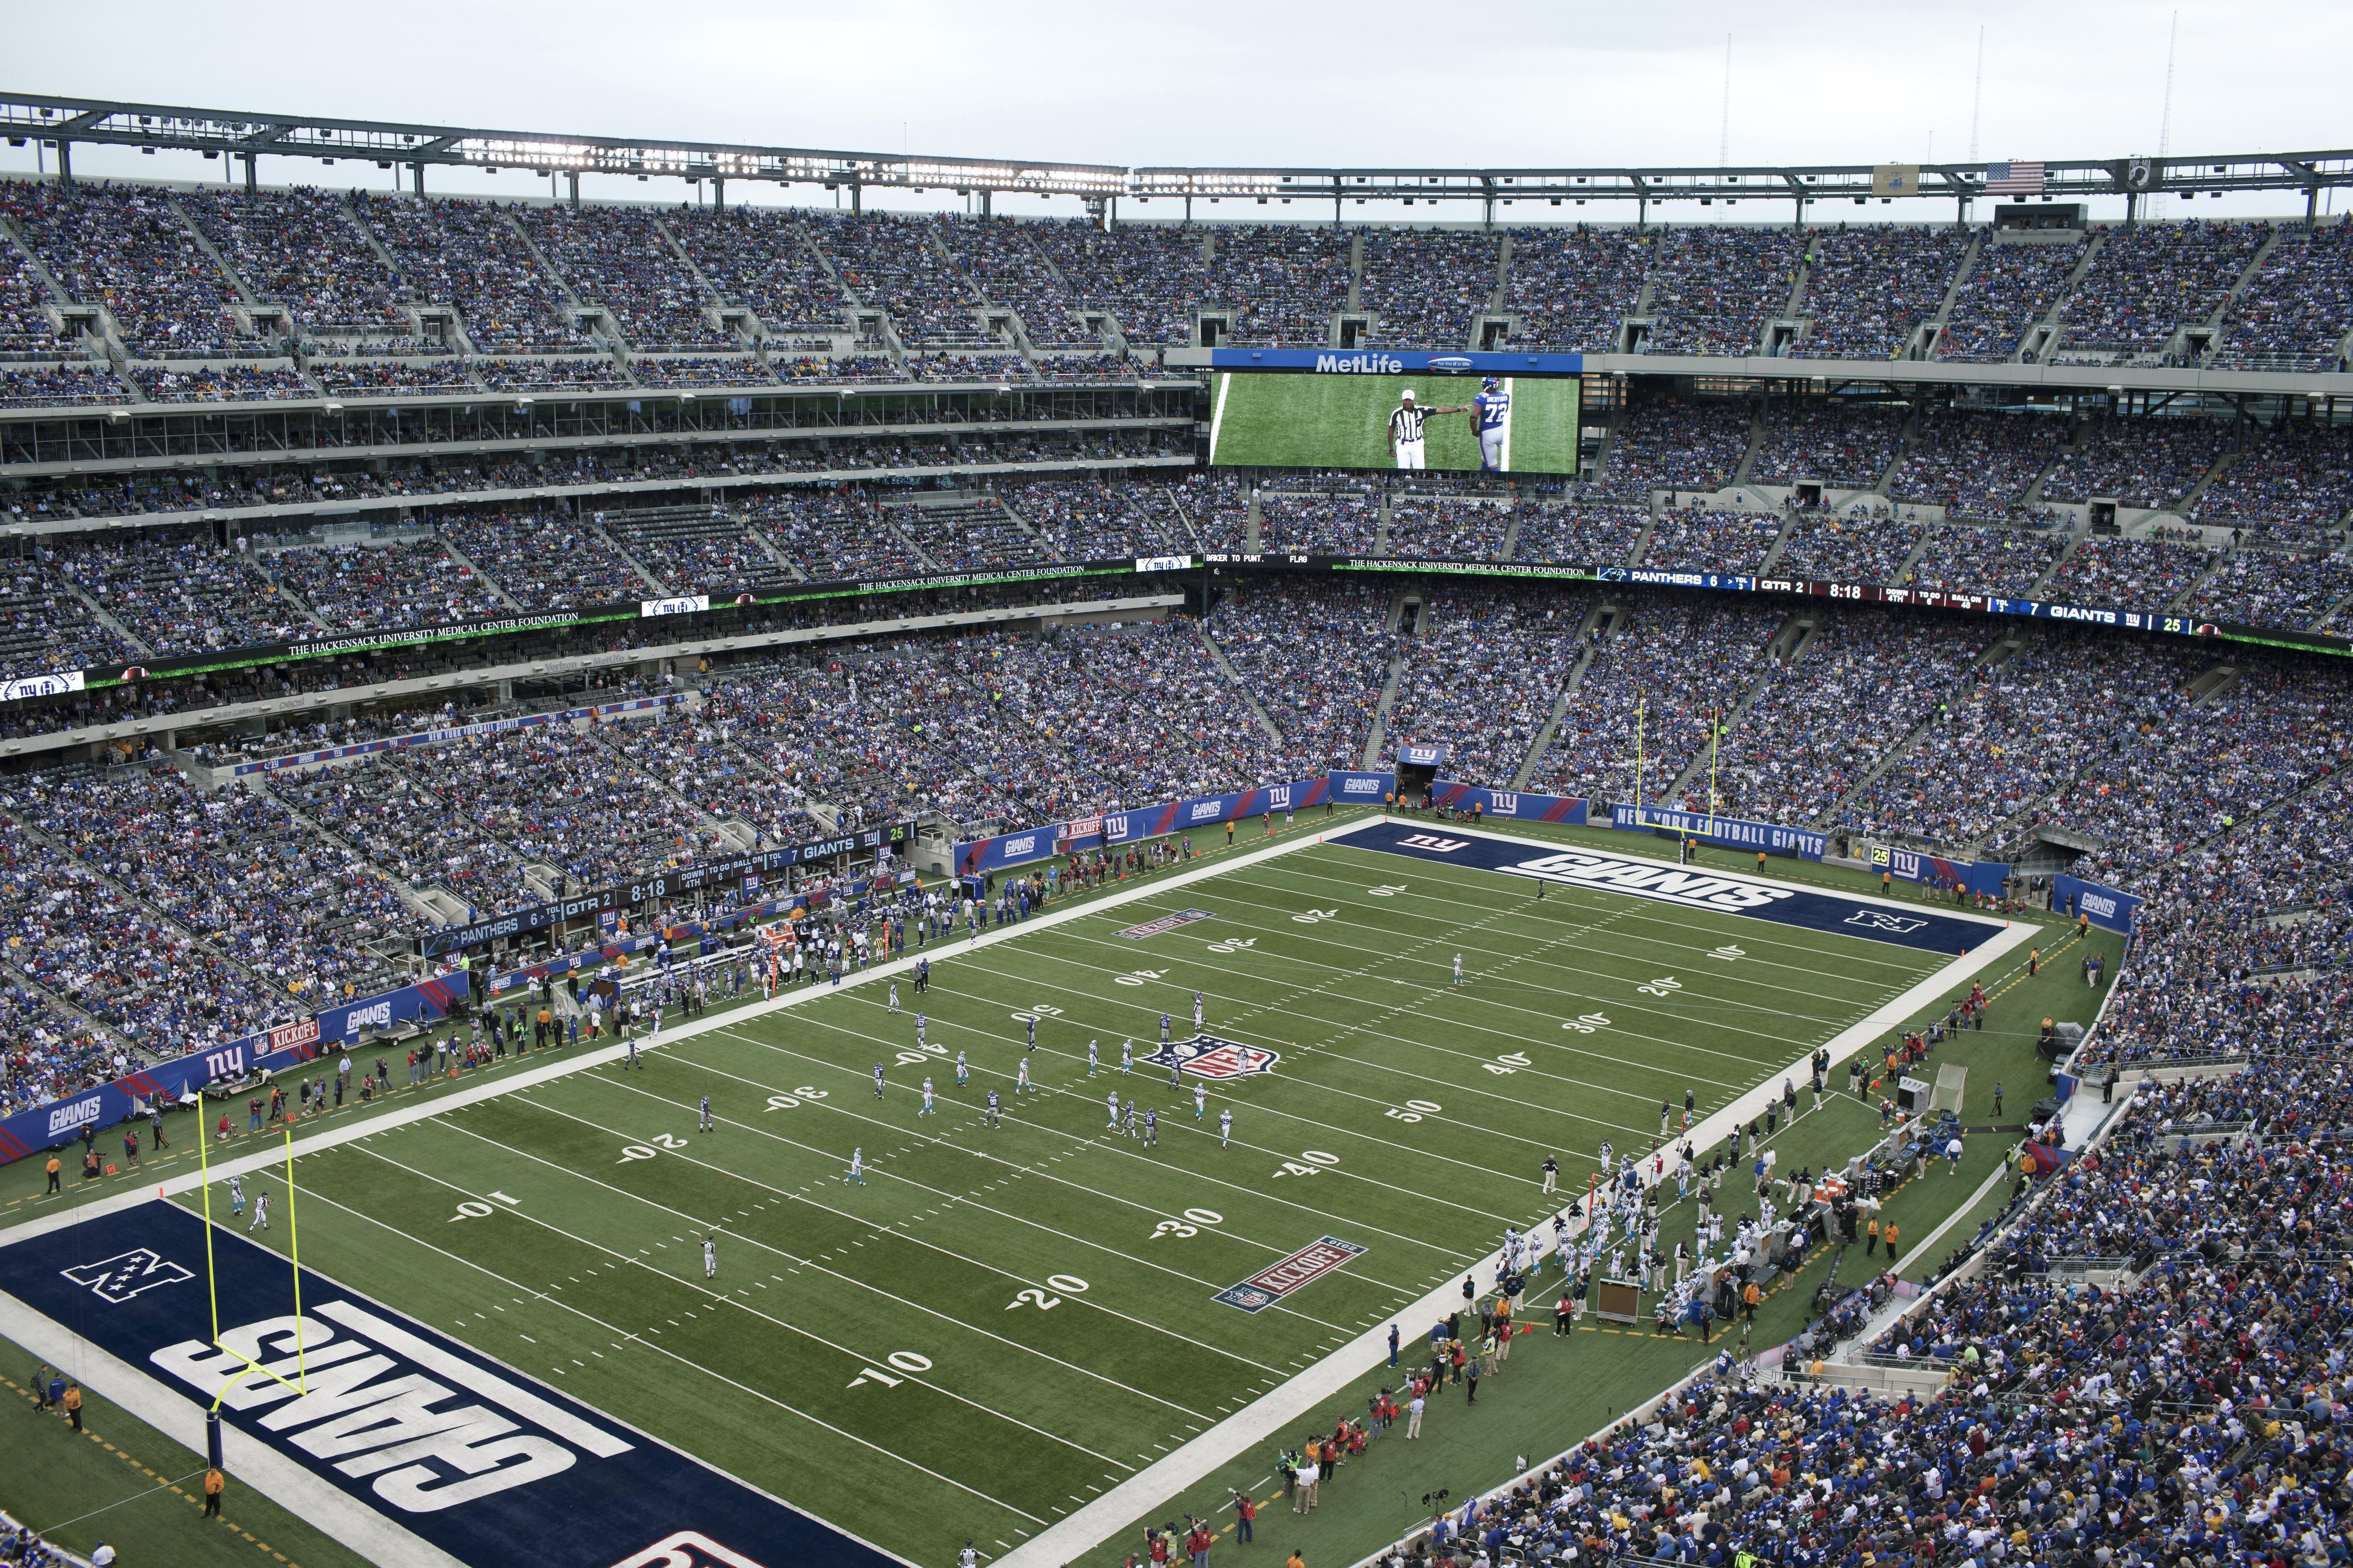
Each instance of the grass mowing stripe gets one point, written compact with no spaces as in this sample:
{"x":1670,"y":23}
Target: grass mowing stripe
{"x":664,"y":1351}
{"x":723,"y":1298}
{"x":1275,"y":1248}
{"x":944,"y":1252}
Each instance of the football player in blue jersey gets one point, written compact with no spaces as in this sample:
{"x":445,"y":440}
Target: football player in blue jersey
{"x":1492,"y":409}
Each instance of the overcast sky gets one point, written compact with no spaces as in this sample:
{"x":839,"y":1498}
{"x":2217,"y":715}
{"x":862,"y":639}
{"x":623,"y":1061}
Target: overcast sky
{"x":1374,"y":82}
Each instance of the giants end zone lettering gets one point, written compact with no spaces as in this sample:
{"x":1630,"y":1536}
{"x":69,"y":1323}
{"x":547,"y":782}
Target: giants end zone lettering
{"x":1301,"y":1269}
{"x":687,"y":1549}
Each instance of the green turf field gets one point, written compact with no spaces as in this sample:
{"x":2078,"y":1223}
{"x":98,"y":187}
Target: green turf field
{"x":1004,"y":1324}
{"x":1342,"y":421}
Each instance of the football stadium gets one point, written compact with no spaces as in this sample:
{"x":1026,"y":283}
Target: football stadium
{"x":755,"y":861}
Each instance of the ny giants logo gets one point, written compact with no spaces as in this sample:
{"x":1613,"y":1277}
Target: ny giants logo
{"x":1433,"y":842}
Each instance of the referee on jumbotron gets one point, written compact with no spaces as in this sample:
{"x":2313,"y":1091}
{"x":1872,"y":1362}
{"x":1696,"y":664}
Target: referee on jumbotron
{"x":1405,"y":429}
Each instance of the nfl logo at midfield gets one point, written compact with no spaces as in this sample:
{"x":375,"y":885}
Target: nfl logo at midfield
{"x":1212,"y":1057}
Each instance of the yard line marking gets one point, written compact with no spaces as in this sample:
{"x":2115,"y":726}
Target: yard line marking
{"x":944,"y":1252}
{"x":683,"y":1361}
{"x":1108,"y":1145}
{"x":1087,"y":1142}
{"x":722,"y":1298}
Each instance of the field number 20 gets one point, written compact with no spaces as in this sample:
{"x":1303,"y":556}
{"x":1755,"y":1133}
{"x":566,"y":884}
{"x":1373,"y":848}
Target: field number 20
{"x":1067,"y":1284}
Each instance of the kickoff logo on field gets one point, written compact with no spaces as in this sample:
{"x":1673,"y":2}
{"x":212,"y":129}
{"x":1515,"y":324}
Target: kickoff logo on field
{"x":1214,"y":1058}
{"x":1301,"y":1269}
{"x":480,"y":1460}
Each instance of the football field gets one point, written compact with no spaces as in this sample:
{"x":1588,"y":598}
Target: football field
{"x":1034,"y":1328}
{"x":1342,"y":421}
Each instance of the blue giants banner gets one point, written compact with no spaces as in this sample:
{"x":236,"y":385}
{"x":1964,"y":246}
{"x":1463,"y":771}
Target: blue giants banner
{"x":1411,"y":756}
{"x":438,"y":1441}
{"x":1711,"y":891}
{"x":1727,"y":831}
{"x":1363,"y":789}
{"x":2103,"y":906}
{"x":1509,"y":804}
{"x":1986,"y":876}
{"x":1396,"y":361}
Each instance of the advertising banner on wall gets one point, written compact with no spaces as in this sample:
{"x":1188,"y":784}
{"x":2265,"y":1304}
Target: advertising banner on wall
{"x":1725,"y":832}
{"x":1509,"y":804}
{"x":2102,"y":906}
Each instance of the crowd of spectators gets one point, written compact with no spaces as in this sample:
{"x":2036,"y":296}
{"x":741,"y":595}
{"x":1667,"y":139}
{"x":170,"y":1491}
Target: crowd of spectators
{"x":543,"y":560}
{"x":577,"y":374}
{"x":177,"y":591}
{"x":2138,"y":462}
{"x":1820,"y":719}
{"x":2239,"y":947}
{"x":2145,"y":574}
{"x":1572,"y":289}
{"x":46,"y":1052}
{"x":1012,"y":271}
{"x":468,"y":255}
{"x":1974,"y":463}
{"x":761,"y":258}
{"x":833,"y":535}
{"x":1831,"y":548}
{"x":2005,"y":744}
{"x":1870,"y":286}
{"x":895,"y":261}
{"x":221,"y":384}
{"x":1315,"y":660}
{"x":300,"y":249}
{"x":1482,"y":672}
{"x":384,"y":585}
{"x":58,"y":386}
{"x":1325,"y":525}
{"x":2011,"y":287}
{"x":1714,"y":287}
{"x":1149,"y":277}
{"x":1847,"y":447}
{"x":701,"y":370}
{"x":1449,"y":530}
{"x":2296,"y":477}
{"x":620,"y":258}
{"x":2273,"y":587}
{"x":2295,"y":313}
{"x":126,"y":249}
{"x":971,"y":532}
{"x":1093,"y":519}
{"x":1579,"y":533}
{"x":388,"y":378}
{"x":1673,"y":444}
{"x":1424,"y":287}
{"x":26,"y":332}
{"x":1985,"y":558}
{"x":1688,"y":538}
{"x":1283,"y":282}
{"x":1664,"y":674}
{"x":2148,"y":279}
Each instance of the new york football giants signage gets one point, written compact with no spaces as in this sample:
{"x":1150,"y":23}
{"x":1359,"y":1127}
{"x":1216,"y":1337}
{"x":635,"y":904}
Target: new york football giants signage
{"x":979,"y":856}
{"x":1726,"y":832}
{"x":1420,"y":756}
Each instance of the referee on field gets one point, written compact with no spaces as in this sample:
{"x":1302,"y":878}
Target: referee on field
{"x":1405,"y":429}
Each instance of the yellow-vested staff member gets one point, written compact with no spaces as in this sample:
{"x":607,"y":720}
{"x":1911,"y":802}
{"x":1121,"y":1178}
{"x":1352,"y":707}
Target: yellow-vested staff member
{"x":1405,"y":429}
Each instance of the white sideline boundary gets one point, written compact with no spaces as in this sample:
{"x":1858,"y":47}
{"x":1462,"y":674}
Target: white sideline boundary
{"x":1147,"y":1492}
{"x":384,"y":1542}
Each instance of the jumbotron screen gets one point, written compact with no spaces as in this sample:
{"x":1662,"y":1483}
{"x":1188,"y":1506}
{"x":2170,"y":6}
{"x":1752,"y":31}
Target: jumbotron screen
{"x":1499,"y":424}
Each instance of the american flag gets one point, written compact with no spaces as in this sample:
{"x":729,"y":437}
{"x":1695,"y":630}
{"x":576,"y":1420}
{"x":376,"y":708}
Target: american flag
{"x":2014,"y":178}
